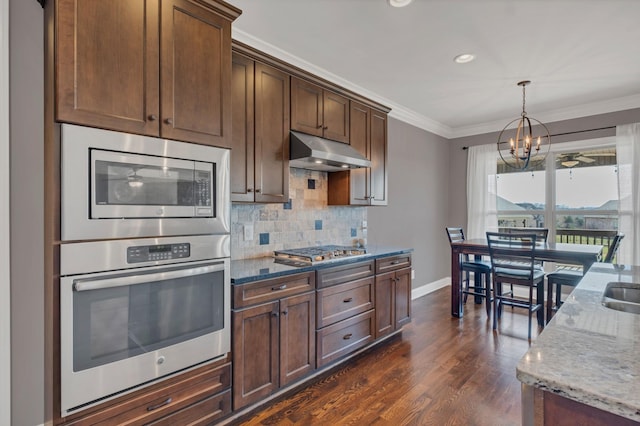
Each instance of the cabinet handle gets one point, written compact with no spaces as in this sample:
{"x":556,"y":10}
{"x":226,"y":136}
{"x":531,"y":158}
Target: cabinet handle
{"x":348,"y":299}
{"x":395,"y":262}
{"x":285,"y":312}
{"x":249,"y":189}
{"x":282,"y":287}
{"x":168,"y":121}
{"x":257,"y":190}
{"x":274,"y":314}
{"x":161,"y":404}
{"x":347,"y":336}
{"x":319,"y":126}
{"x":153,"y":117}
{"x":325,"y":127}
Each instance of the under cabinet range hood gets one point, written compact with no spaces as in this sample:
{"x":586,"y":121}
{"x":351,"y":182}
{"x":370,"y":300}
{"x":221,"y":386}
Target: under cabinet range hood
{"x":315,"y":153}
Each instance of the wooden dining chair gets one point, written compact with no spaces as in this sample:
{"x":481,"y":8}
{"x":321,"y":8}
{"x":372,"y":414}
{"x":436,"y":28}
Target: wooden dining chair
{"x":481,"y":288}
{"x":571,"y":276}
{"x":513,"y":262}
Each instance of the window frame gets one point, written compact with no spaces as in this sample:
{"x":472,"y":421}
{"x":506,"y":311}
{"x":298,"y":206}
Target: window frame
{"x":550,"y":211}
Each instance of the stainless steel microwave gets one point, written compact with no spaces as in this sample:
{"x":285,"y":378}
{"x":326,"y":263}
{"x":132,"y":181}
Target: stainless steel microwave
{"x":119,"y":185}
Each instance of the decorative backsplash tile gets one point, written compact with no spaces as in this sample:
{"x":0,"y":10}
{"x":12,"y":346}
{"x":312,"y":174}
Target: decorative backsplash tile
{"x":306,"y":220}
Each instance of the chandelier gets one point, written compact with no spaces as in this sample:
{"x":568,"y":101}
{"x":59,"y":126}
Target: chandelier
{"x":524,"y":147}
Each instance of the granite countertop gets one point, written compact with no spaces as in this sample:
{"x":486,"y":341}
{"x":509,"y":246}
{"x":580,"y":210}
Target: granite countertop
{"x":590,"y":353}
{"x":248,"y":270}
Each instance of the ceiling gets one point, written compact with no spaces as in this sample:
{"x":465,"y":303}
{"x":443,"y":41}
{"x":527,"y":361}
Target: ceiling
{"x":582,"y":56}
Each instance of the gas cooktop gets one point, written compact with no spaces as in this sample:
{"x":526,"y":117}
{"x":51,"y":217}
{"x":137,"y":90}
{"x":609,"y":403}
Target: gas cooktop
{"x":313,"y":255}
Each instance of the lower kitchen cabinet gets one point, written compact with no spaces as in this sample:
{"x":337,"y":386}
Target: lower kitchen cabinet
{"x":344,"y":337}
{"x":197,"y":397}
{"x":273,"y":342}
{"x":393,"y":294}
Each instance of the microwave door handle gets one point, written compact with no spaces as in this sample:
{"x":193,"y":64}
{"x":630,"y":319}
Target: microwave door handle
{"x":86,"y":285}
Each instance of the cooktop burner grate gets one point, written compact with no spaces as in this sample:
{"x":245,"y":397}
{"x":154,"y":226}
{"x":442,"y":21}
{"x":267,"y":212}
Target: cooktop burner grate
{"x":311,"y":255}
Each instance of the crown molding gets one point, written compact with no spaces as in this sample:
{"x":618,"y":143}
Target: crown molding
{"x":409,"y":116}
{"x":397,"y":111}
{"x":569,"y":113}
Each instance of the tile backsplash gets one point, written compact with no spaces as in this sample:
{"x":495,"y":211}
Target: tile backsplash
{"x":306,"y":220}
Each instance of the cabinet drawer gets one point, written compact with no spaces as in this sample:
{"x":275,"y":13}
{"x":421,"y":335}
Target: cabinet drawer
{"x":177,"y":394}
{"x":344,"y":300}
{"x":273,"y":289}
{"x":344,"y":273}
{"x":200,"y":413}
{"x":392,"y":263}
{"x":345,"y":337}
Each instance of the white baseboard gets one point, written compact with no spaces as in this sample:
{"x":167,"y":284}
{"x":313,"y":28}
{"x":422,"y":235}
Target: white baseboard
{"x":429,"y":288}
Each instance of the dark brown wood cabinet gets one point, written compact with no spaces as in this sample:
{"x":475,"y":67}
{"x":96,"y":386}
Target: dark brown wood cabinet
{"x":260,"y":140}
{"x":393,"y":294}
{"x":318,"y":111}
{"x":201,"y":396}
{"x":273,"y":342}
{"x":368,"y":186}
{"x":153,"y":67}
{"x":346,"y":315}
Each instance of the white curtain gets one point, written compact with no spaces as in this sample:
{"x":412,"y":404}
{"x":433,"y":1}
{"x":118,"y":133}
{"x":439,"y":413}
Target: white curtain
{"x":482,"y":215}
{"x":628,"y":155}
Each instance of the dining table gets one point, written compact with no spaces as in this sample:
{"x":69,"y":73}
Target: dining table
{"x":583,"y":255}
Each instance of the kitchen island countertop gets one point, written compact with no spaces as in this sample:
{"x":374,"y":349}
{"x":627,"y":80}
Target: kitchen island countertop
{"x":590,"y":353}
{"x":248,"y":270}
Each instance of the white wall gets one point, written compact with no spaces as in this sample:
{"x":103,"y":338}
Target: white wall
{"x":26,"y":97}
{"x":5,"y":294}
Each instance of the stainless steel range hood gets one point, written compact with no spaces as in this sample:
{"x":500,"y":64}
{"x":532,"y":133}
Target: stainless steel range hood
{"x":315,"y":153}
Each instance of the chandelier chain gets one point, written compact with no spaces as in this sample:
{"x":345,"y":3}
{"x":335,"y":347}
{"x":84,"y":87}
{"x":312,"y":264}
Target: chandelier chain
{"x":524,"y":113}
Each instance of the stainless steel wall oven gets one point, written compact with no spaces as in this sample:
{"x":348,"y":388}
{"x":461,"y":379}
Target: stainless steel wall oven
{"x":133,"y":311}
{"x":119,"y":185}
{"x":144,"y":261}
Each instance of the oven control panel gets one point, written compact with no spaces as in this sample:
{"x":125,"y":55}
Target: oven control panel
{"x":157,"y":252}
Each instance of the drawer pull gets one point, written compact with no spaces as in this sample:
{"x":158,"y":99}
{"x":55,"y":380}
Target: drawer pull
{"x":347,"y":336}
{"x":161,"y":404}
{"x":282,"y":287}
{"x":395,"y":262}
{"x":348,"y":299}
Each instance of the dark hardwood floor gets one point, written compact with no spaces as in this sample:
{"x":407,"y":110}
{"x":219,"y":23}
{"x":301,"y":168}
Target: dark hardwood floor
{"x":440,"y":371}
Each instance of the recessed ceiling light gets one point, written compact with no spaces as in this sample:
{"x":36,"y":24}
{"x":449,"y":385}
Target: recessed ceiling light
{"x":399,"y":3}
{"x":463,"y":58}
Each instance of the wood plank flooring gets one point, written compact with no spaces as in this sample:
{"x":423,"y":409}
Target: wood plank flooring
{"x":440,"y":371}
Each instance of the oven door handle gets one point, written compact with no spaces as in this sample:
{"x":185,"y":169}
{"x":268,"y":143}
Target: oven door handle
{"x":97,"y":284}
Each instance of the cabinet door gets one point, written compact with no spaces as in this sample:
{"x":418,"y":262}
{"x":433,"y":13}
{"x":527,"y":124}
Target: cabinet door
{"x":385,"y":304}
{"x":242,"y":150}
{"x":360,"y":136}
{"x":335,"y":117}
{"x":271,"y":134}
{"x":378,"y":159}
{"x":306,"y":107}
{"x":255,"y":353}
{"x":297,"y":337}
{"x":196,"y":74}
{"x":402,"y":297}
{"x":107,"y":64}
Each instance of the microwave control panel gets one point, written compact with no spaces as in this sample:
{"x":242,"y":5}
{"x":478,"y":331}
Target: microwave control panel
{"x":157,"y":252}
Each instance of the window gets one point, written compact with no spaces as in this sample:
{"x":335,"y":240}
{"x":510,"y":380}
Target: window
{"x":574,"y":193}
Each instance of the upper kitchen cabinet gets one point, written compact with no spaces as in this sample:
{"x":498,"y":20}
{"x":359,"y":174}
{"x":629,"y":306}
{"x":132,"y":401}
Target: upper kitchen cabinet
{"x":319,"y":112}
{"x":367,"y":187}
{"x":154,"y":67}
{"x":260,"y":144}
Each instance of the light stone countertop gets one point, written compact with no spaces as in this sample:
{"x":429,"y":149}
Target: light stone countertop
{"x":590,"y":353}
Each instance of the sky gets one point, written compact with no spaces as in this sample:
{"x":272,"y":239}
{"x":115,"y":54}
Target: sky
{"x":583,"y":187}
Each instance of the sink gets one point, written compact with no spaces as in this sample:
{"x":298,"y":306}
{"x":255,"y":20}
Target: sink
{"x":622,"y":296}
